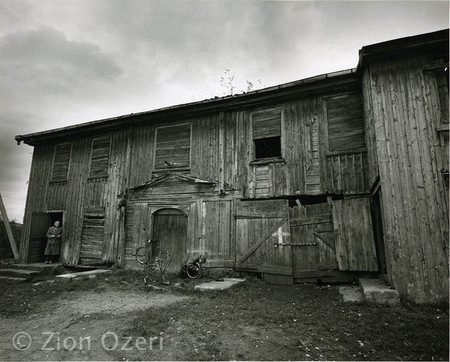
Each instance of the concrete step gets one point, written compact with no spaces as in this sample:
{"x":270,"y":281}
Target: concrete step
{"x":12,"y":279}
{"x":219,"y":285}
{"x":351,"y":294}
{"x":81,"y":275}
{"x":377,"y":291}
{"x":19,"y":273}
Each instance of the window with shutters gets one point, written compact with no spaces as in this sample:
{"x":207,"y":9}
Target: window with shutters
{"x":267,"y":134}
{"x":345,"y":123}
{"x":173,"y":147}
{"x":100,"y":157}
{"x":61,"y":161}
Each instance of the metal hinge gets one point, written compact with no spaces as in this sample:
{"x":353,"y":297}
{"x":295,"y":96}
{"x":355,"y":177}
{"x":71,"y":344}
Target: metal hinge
{"x":277,"y":245}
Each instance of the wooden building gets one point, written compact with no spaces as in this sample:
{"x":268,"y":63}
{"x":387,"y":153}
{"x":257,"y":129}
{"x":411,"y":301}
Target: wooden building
{"x":327,"y":178}
{"x":405,"y":92}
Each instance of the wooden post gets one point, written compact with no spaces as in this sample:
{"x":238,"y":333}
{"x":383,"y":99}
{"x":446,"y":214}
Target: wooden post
{"x":8,"y":229}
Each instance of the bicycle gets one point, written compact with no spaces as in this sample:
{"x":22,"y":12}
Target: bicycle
{"x":194,"y":269}
{"x":143,"y":253}
{"x":159,"y":264}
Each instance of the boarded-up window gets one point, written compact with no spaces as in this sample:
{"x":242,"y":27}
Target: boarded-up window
{"x":173,"y":146}
{"x":61,"y":160}
{"x":345,"y":123}
{"x":92,"y":237}
{"x":266,"y":133}
{"x":100,"y":156}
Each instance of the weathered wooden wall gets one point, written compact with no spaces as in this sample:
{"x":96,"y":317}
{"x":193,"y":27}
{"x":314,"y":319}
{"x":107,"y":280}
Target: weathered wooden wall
{"x":210,"y":230}
{"x":221,"y":151}
{"x":216,"y":147}
{"x":81,"y":194}
{"x":403,"y":118}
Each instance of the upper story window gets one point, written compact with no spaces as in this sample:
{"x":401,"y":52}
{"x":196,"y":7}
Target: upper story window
{"x":267,"y":134}
{"x":173,"y":147}
{"x":100,"y":156}
{"x":61,"y":161}
{"x":345,"y":123}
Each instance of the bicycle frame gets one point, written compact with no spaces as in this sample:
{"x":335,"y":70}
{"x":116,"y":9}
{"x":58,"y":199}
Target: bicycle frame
{"x":158,"y":264}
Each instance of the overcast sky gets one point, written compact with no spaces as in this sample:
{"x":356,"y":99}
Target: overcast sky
{"x":69,"y":61}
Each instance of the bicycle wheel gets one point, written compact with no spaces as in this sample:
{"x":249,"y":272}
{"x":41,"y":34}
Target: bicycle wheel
{"x":194,"y":270}
{"x":142,"y":255}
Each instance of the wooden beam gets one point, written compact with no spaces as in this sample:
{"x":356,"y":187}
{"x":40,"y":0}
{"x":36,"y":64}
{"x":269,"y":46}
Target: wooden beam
{"x":8,"y":229}
{"x":257,"y":245}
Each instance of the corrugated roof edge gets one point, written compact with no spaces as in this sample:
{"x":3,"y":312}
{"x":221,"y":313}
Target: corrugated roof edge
{"x":20,"y":138}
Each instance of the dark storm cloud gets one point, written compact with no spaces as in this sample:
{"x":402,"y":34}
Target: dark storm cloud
{"x":46,"y":59}
{"x":39,"y":68}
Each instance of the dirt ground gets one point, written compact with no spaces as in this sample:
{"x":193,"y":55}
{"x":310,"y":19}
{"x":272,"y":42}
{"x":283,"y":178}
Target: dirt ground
{"x":117,"y":317}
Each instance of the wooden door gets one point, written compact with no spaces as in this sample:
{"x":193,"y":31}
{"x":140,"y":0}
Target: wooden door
{"x":355,"y":245}
{"x":40,"y":222}
{"x":262,"y":239}
{"x":170,"y":231}
{"x":312,"y":235}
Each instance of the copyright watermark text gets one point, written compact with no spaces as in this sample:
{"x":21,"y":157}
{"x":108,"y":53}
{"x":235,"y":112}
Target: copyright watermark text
{"x":108,"y":341}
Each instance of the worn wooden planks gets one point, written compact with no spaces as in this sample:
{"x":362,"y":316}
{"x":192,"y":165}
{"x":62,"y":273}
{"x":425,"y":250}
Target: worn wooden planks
{"x":61,"y":162}
{"x":405,"y":110}
{"x":345,"y":122}
{"x":259,"y":226}
{"x":92,"y":238}
{"x":100,"y":156}
{"x":355,"y":246}
{"x":173,"y":146}
{"x":313,"y":237}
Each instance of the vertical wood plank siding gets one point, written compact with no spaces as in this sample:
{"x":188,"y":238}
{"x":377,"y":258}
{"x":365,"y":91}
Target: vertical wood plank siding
{"x":403,"y":114}
{"x":220,"y":151}
{"x":355,"y":246}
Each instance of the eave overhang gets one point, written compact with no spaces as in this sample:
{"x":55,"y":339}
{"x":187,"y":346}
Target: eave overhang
{"x":331,"y":82}
{"x":435,"y":43}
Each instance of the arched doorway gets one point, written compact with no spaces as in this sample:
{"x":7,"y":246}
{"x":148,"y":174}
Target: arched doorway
{"x":170,"y":229}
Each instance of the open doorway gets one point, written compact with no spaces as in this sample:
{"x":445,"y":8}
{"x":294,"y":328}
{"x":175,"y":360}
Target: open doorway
{"x":40,"y":223}
{"x":377,"y":221}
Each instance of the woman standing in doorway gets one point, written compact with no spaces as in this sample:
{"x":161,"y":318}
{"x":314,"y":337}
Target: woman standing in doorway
{"x":53,"y":243}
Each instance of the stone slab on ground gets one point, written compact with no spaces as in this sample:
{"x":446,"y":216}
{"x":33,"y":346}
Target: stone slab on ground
{"x":32,"y":271}
{"x":37,"y":266}
{"x":12,"y":279}
{"x":219,"y":285}
{"x":81,"y":275}
{"x":18,"y":273}
{"x":377,"y":291}
{"x":351,"y":294}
